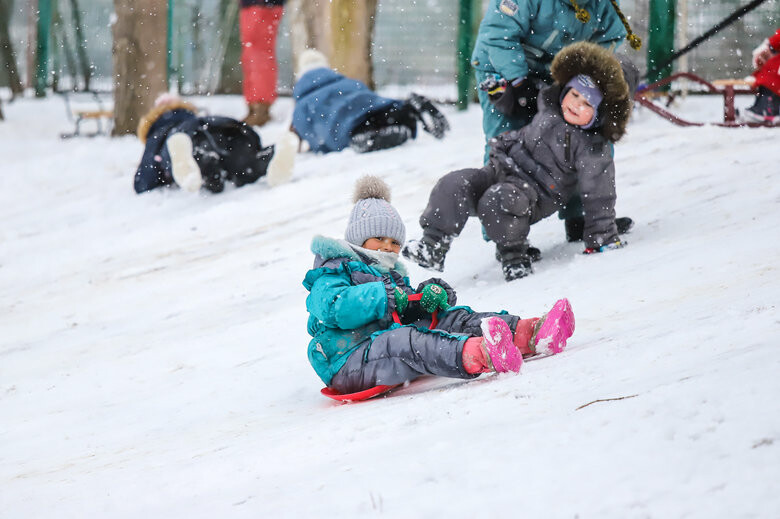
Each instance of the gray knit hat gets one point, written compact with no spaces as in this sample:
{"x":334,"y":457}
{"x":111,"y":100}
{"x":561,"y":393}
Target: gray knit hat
{"x":373,"y":216}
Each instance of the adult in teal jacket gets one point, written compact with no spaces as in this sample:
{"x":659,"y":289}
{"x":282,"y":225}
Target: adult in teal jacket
{"x":516,"y":43}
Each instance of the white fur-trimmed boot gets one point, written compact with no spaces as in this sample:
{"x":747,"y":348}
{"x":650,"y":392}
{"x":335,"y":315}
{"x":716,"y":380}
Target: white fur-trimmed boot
{"x":281,"y":166}
{"x":186,"y":172}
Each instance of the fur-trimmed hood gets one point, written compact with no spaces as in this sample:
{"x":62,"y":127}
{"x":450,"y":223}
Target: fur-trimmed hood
{"x":146,"y":122}
{"x":330,"y":248}
{"x":604,"y":68}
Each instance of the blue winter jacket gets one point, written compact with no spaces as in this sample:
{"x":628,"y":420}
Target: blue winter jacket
{"x":348,"y":303}
{"x":328,"y":106}
{"x":520,"y":37}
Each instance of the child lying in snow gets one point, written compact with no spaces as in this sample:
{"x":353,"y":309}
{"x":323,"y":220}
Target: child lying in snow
{"x":358,"y":286}
{"x":534,"y":171}
{"x":192,"y":151}
{"x":333,"y":112}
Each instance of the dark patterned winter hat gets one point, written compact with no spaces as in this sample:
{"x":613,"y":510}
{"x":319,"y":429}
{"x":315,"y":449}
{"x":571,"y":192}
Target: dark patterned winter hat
{"x":373,"y":216}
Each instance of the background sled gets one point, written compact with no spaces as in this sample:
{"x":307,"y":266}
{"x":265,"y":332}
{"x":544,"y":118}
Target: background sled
{"x":728,"y":88}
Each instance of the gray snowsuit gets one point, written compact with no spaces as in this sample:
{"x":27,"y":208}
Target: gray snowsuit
{"x":531,"y":173}
{"x":355,"y":343}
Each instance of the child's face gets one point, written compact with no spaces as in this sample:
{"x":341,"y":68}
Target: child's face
{"x":576,"y":109}
{"x":382,"y":243}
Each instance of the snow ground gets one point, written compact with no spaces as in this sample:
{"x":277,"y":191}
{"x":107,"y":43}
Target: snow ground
{"x":153,"y":348}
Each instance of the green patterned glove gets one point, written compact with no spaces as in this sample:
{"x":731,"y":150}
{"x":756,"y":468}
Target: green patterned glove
{"x":433,"y":298}
{"x":401,"y":300}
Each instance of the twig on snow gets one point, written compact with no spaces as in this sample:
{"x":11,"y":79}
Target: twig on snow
{"x":605,"y":400}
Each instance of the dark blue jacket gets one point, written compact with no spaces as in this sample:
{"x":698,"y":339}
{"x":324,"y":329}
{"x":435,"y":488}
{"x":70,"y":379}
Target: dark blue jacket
{"x":154,"y":169}
{"x":328,"y":106}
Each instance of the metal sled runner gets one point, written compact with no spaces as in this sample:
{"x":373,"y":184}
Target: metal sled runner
{"x":728,"y":88}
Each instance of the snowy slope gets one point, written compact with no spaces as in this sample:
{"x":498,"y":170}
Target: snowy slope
{"x":153,"y":348}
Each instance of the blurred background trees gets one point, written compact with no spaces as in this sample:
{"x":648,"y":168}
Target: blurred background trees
{"x":396,"y":45}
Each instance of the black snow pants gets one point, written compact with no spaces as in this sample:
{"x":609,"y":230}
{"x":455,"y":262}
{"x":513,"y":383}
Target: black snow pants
{"x":506,"y":208}
{"x":226,"y":150}
{"x":403,"y":354}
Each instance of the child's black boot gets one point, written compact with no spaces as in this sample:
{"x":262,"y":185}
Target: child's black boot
{"x":575,"y":227}
{"x":428,"y":252}
{"x":515,"y":263}
{"x":765,"y":109}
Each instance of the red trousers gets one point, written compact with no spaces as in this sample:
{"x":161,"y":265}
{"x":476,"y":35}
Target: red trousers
{"x":258,"y":27}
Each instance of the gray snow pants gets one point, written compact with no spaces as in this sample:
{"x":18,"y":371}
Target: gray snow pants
{"x":403,"y":354}
{"x":506,"y":209}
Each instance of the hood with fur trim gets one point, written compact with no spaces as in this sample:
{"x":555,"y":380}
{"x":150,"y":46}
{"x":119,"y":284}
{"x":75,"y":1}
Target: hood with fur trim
{"x":152,"y":115}
{"x":327,"y":249}
{"x":604,"y":68}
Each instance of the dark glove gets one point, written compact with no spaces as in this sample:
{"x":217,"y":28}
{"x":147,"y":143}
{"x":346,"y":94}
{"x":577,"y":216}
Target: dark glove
{"x":617,"y":244}
{"x":516,"y":98}
{"x":433,"y":121}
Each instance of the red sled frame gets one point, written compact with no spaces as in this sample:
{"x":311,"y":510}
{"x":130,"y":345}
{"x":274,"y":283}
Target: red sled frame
{"x":728,"y":89}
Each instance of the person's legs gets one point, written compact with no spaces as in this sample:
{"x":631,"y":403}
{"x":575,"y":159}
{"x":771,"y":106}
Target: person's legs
{"x":401,"y":355}
{"x":452,"y":201}
{"x":505,"y":211}
{"x":384,"y":129}
{"x":242,"y":157}
{"x":258,"y":29}
{"x":766,"y":106}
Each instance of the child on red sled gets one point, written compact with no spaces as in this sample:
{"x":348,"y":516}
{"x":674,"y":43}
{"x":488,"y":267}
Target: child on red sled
{"x":358,"y":289}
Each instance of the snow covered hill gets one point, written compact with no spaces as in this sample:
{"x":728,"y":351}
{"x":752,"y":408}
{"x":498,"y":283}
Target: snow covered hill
{"x":153,"y":348}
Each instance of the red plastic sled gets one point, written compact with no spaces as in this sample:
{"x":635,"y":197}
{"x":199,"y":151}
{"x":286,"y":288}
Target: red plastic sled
{"x":376,"y":390}
{"x":359,"y":396}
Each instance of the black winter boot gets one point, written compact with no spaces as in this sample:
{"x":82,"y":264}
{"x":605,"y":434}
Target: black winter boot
{"x":381,"y":139}
{"x":766,"y":107}
{"x":515,"y":264}
{"x":428,"y":252}
{"x":533,"y":253}
{"x":576,"y":226}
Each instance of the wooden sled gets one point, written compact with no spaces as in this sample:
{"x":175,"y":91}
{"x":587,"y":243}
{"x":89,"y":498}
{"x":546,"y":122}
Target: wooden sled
{"x":728,"y":88}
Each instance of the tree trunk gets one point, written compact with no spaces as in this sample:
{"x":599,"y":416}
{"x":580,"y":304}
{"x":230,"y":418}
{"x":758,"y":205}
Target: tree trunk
{"x":140,"y":35}
{"x":342,"y":30}
{"x":7,"y":50}
{"x":351,"y":32}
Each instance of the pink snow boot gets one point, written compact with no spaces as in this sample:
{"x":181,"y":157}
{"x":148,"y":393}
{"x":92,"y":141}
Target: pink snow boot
{"x":502,"y":352}
{"x":554,"y":328}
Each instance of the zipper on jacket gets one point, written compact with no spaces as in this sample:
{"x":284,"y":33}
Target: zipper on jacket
{"x":567,"y":146}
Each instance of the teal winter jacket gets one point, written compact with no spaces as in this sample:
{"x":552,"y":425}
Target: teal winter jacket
{"x":348,"y":303}
{"x":520,"y":37}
